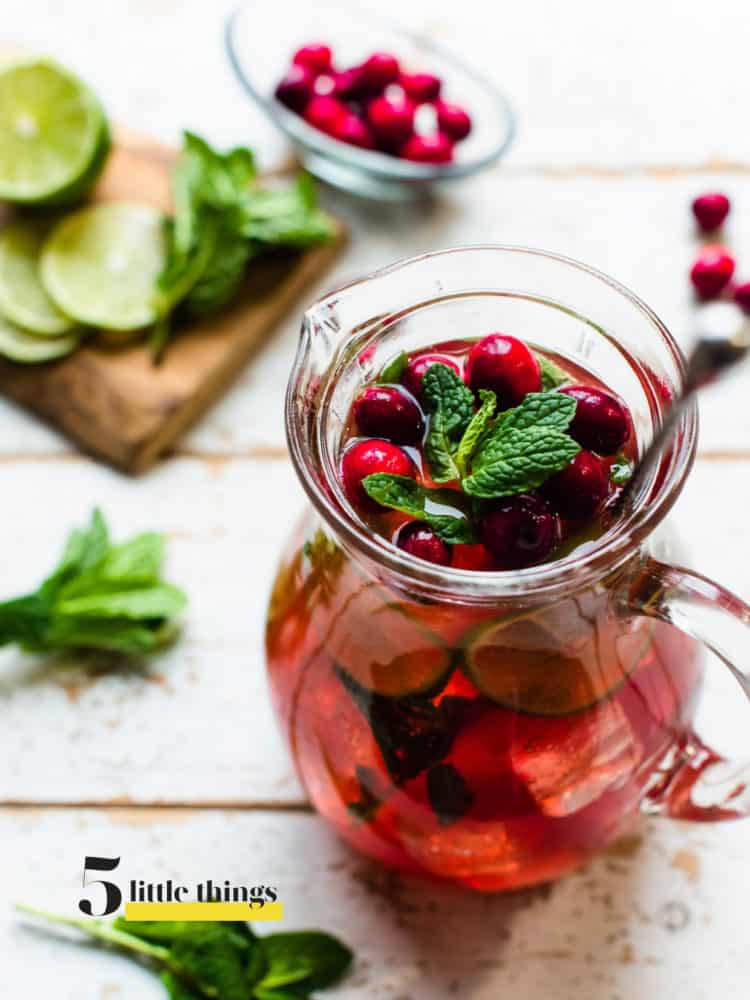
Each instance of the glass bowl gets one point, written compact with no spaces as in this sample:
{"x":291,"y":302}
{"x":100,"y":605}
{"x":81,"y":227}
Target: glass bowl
{"x":261,"y":37}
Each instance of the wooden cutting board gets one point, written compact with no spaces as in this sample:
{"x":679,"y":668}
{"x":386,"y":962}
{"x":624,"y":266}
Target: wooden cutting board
{"x":112,"y":400}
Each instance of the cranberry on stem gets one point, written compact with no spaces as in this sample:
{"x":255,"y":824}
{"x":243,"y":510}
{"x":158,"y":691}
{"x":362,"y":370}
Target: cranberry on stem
{"x":601,"y":422}
{"x":520,"y":531}
{"x":418,"y":539}
{"x":389,"y":412}
{"x":710,"y":210}
{"x":581,"y":488}
{"x":365,"y":458}
{"x":712,"y":271}
{"x":505,"y":365}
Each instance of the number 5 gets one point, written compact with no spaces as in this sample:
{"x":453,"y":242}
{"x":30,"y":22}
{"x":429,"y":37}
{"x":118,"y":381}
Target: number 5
{"x":114,"y":896}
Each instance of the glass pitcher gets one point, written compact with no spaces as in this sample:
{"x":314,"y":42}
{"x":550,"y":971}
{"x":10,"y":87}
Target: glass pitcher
{"x":590,"y":665}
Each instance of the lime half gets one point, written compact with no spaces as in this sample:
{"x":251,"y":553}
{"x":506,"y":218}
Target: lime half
{"x":53,"y":134}
{"x":22,"y":296}
{"x":17,"y":345}
{"x":100,"y":264}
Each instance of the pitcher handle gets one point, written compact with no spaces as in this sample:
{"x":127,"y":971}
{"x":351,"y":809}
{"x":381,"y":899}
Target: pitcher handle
{"x":696,"y":782}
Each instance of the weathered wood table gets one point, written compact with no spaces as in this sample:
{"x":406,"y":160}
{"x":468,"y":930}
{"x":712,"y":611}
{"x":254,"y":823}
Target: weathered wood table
{"x":180,"y":770}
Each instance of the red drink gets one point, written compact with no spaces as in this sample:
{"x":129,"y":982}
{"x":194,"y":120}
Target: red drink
{"x":494,"y":744}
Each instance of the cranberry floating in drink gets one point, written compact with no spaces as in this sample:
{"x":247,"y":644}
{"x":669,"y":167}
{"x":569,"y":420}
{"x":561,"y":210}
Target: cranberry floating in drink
{"x":474,"y":664}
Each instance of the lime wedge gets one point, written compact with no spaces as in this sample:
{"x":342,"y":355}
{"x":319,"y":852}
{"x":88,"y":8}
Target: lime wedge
{"x":22,"y":296}
{"x":18,"y":345}
{"x":53,"y":134}
{"x":100,"y":264}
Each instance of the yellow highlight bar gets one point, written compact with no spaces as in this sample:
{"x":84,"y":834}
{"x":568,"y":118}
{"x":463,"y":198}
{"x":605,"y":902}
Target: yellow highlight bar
{"x":204,"y":911}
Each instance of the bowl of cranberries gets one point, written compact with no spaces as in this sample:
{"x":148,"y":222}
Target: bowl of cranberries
{"x":369,"y":107}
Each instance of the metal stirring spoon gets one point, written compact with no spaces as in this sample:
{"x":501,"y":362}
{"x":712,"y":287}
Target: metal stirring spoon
{"x":722,"y":340}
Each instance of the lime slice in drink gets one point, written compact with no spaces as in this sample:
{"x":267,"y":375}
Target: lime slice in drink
{"x":100,"y":264}
{"x":53,"y":134}
{"x":22,"y":296}
{"x":18,"y":345}
{"x":523,"y":664}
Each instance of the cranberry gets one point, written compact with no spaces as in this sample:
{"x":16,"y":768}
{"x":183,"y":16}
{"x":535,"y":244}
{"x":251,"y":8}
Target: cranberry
{"x":473,"y":557}
{"x":742,"y":296}
{"x":325,"y":113}
{"x":353,"y":130}
{"x":296,"y":88}
{"x":419,"y":364}
{"x":364,"y":458}
{"x":712,"y":271}
{"x":581,"y":488}
{"x":376,"y":72}
{"x":601,"y":422}
{"x":389,"y":412}
{"x":453,"y":120}
{"x":346,"y":83}
{"x":392,"y":121}
{"x":710,"y":210}
{"x":418,"y":539}
{"x":420,"y":87}
{"x":506,"y":366}
{"x":315,"y":57}
{"x":520,"y":531}
{"x":436,"y":148}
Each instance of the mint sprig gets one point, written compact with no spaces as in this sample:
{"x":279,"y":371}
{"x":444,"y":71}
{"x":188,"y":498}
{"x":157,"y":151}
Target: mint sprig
{"x":553,"y":376}
{"x":100,"y":596}
{"x":519,"y":461}
{"x":222,"y":960}
{"x":451,"y":404}
{"x":474,"y":433}
{"x":406,"y":495}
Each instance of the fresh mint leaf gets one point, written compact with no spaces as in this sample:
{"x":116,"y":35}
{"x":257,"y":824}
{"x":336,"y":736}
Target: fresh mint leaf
{"x":445,"y":391}
{"x":553,"y":376}
{"x":621,"y":470}
{"x":520,"y":459}
{"x":168,"y":931}
{"x":395,"y":368}
{"x":452,"y":530}
{"x":538,"y":409}
{"x":221,"y":276}
{"x":476,"y":429}
{"x":177,"y":990}
{"x":438,"y":449}
{"x":100,"y":596}
{"x":405,"y":494}
{"x":285,"y":217}
{"x":213,"y":960}
{"x":325,"y":956}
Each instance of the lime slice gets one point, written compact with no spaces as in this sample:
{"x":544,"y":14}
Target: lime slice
{"x":100,"y":264}
{"x":53,"y":134}
{"x":17,"y":345}
{"x":22,"y":296}
{"x":527,"y":665}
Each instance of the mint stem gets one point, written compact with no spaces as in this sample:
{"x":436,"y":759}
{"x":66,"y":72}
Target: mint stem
{"x":103,"y":932}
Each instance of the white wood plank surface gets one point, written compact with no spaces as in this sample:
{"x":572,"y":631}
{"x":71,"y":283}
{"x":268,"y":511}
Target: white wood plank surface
{"x":656,"y":916}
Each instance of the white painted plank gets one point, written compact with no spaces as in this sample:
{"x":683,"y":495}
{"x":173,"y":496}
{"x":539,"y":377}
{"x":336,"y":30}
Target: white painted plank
{"x":198,"y":726}
{"x":658,"y":84}
{"x":656,"y":917}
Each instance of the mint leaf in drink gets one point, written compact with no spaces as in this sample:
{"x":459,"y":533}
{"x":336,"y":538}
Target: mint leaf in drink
{"x":406,"y":495}
{"x":621,"y":470}
{"x":449,"y":794}
{"x":520,"y":460}
{"x":553,"y":376}
{"x":476,"y":429}
{"x":538,"y":409}
{"x":395,"y":368}
{"x":100,"y":596}
{"x":451,"y":403}
{"x":311,"y":958}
